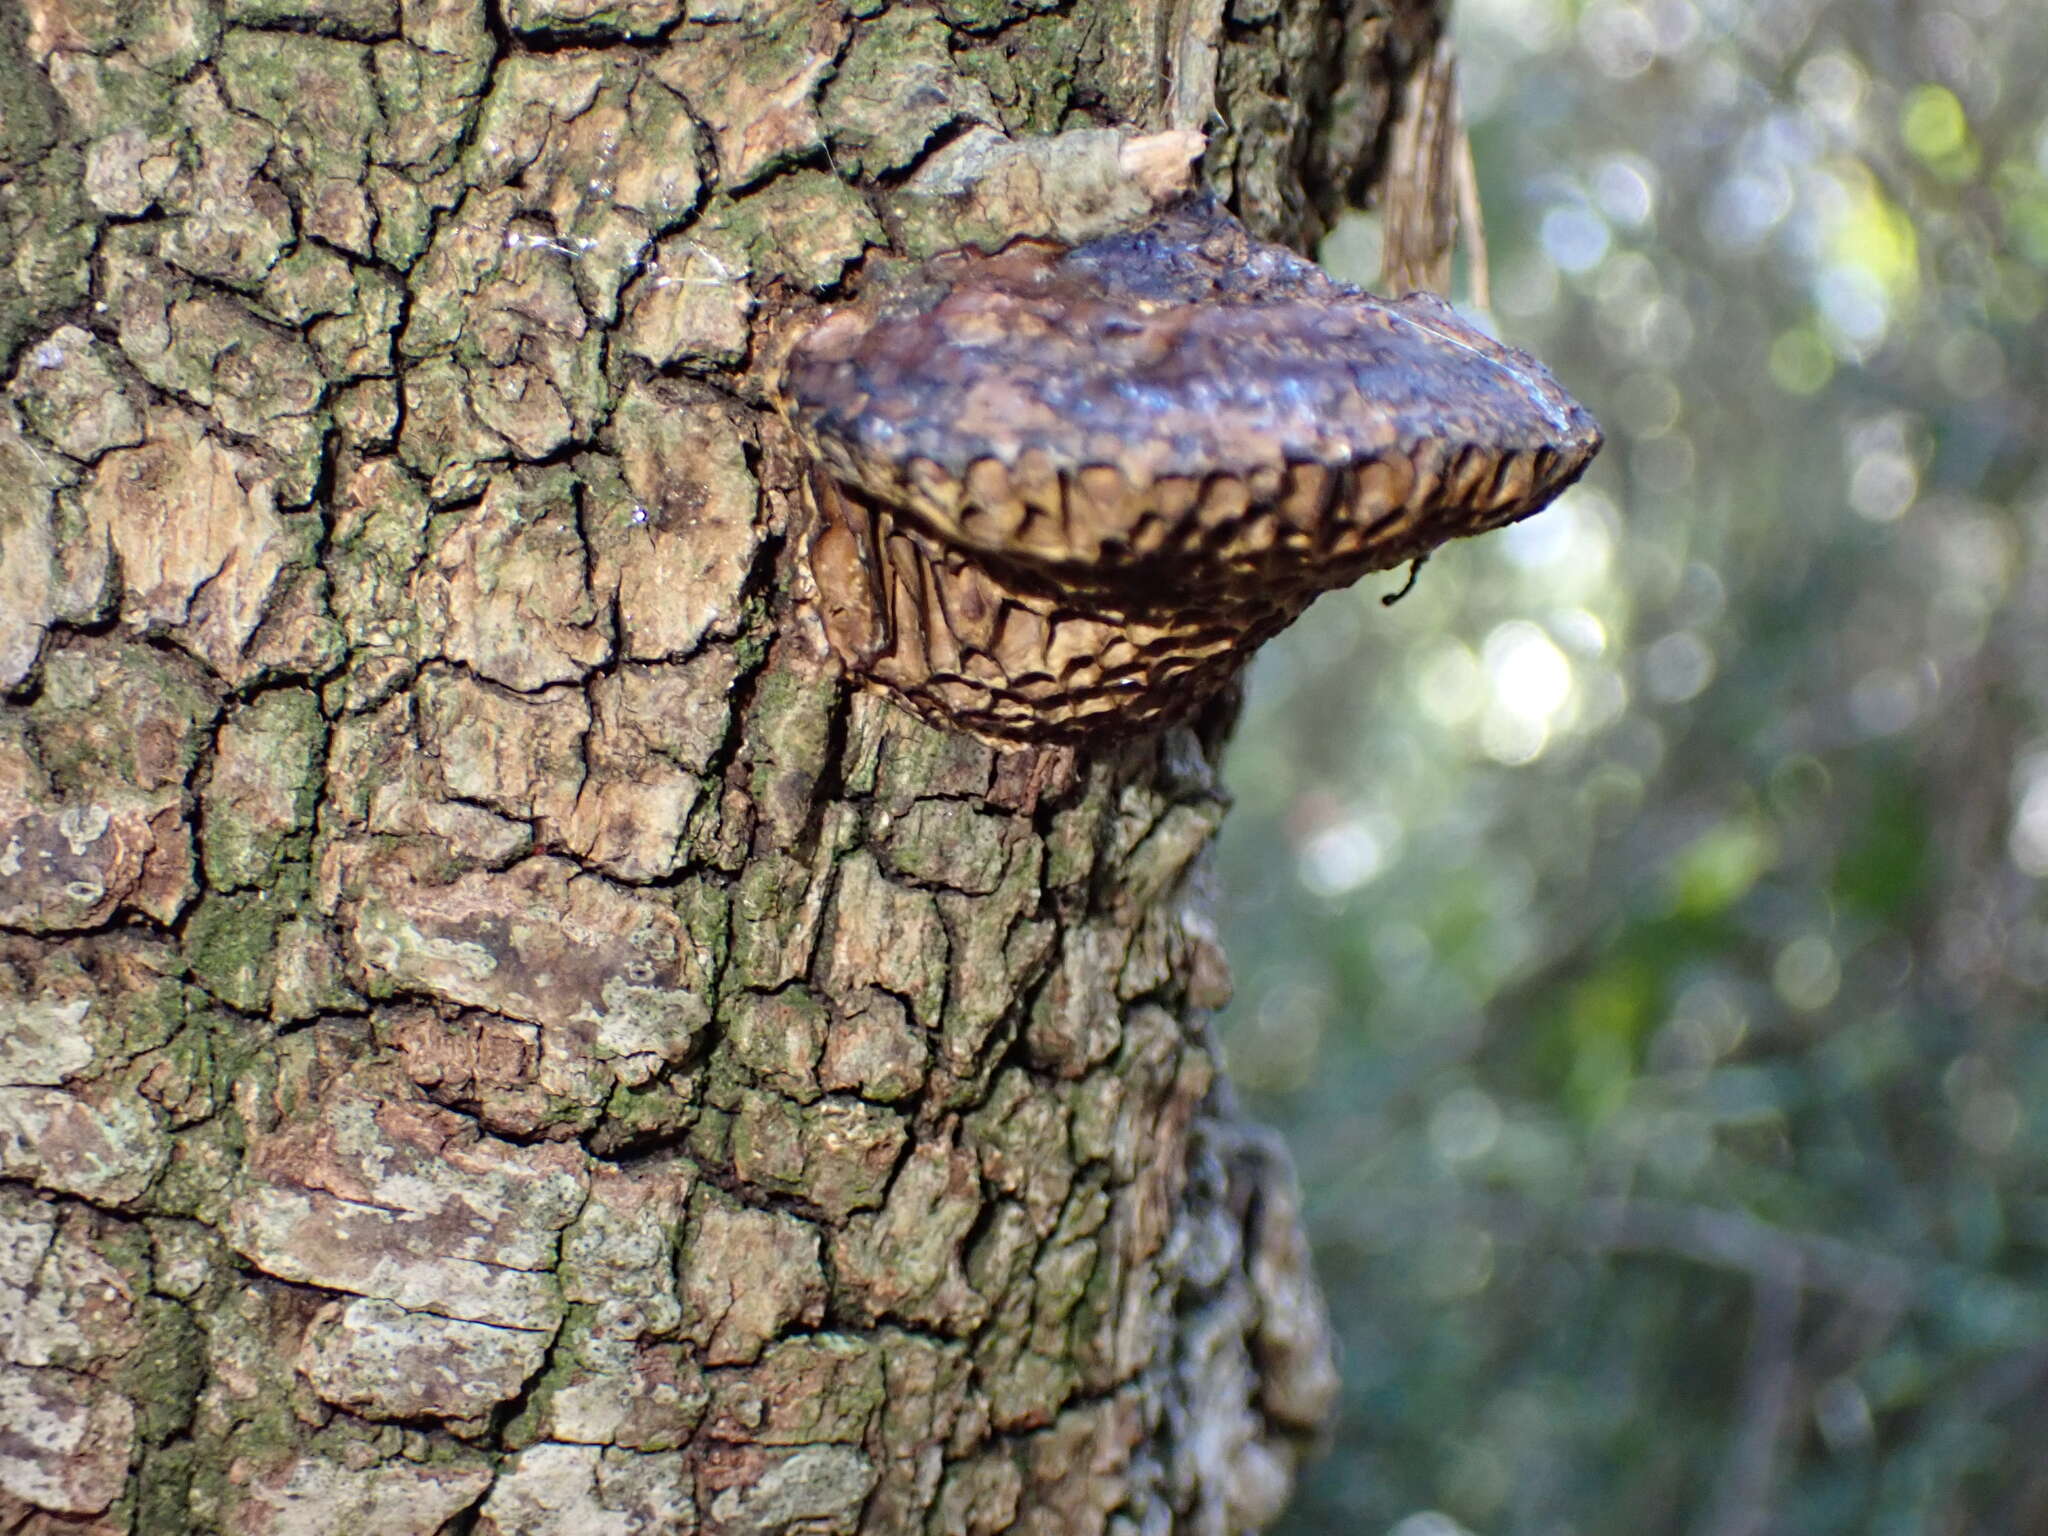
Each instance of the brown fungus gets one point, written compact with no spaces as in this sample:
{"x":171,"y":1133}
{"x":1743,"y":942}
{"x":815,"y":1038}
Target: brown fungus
{"x":1067,"y":491}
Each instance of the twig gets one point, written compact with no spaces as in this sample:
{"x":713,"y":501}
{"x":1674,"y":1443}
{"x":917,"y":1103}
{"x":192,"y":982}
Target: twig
{"x":1742,"y":1495}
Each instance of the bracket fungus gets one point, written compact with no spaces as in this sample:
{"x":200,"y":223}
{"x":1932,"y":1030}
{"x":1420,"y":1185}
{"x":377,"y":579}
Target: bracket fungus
{"x":1066,"y":491}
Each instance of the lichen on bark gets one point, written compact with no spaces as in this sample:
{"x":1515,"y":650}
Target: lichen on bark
{"x":494,"y":1035}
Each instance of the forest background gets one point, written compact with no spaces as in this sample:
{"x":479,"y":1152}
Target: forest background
{"x":1649,"y":980}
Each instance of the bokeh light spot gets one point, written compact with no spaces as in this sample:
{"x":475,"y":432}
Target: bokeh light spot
{"x":1882,"y":485}
{"x":1465,"y":1125}
{"x":2027,"y":843}
{"x":1833,"y":85}
{"x":1718,"y":868}
{"x":1450,"y":685}
{"x":1339,"y":858}
{"x":1427,"y":1522}
{"x":1841,"y":1412}
{"x":1801,"y":362}
{"x":1625,"y":187}
{"x":1747,"y":206}
{"x":1619,"y":38}
{"x":1575,"y":238}
{"x":1531,"y":680}
{"x":1677,"y":667}
{"x":1937,"y":130}
{"x":1932,"y":122}
{"x":1456,"y":1259}
{"x":1806,"y":974}
{"x":1885,"y":701}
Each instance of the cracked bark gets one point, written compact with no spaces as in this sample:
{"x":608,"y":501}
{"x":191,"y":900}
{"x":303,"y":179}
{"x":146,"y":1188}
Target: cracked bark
{"x":493,"y":1035}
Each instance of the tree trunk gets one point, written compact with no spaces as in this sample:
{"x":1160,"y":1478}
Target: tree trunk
{"x":494,"y":1034}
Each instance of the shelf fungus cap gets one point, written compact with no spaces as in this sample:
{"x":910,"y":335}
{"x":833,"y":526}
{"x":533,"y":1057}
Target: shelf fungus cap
{"x":1063,"y":491}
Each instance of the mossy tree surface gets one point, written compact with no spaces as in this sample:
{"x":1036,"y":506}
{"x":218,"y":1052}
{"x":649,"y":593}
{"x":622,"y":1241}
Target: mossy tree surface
{"x":493,"y":1034}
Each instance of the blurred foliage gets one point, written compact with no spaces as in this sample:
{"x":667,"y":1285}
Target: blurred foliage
{"x":1639,"y":929}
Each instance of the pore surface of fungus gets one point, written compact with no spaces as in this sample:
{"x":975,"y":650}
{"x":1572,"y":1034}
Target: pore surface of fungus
{"x":1061,"y":491}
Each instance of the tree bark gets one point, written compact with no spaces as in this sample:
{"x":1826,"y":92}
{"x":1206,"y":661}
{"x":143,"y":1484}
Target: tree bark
{"x":494,"y":1035}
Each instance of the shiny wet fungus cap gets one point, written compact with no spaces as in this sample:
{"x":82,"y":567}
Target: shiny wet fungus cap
{"x":1182,"y":404}
{"x":1062,"y":492}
